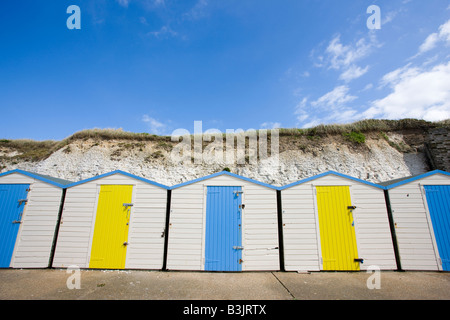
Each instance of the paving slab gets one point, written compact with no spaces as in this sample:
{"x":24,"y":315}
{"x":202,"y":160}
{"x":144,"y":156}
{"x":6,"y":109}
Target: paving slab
{"x":139,"y":285}
{"x":367,"y":286}
{"x":54,"y":284}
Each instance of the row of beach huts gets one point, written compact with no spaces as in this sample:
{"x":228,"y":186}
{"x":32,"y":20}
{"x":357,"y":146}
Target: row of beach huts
{"x":225,"y":222}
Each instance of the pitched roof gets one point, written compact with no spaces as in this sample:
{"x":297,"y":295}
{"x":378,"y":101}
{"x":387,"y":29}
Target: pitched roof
{"x":48,"y":179}
{"x":398,"y":182}
{"x":333,"y":173}
{"x":117,"y":172}
{"x":220,"y":174}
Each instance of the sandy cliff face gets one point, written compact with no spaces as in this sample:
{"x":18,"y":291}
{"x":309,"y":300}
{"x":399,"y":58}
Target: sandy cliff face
{"x":379,"y":158}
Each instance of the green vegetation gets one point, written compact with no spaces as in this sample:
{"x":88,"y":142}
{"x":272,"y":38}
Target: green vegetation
{"x":363,"y":126}
{"x":355,"y":137}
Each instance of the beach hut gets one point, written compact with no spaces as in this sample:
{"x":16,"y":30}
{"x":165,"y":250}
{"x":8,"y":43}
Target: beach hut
{"x":223,"y":222}
{"x":335,"y":222}
{"x":29,"y":210}
{"x":113,"y":221}
{"x":420,"y":207}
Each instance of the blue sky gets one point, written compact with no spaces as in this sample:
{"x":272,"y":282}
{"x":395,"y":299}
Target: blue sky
{"x":159,"y":65}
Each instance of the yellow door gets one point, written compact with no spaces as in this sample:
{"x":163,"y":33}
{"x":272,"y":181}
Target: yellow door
{"x":337,"y":233}
{"x":109,"y":245}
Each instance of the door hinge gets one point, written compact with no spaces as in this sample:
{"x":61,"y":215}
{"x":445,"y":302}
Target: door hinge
{"x":359,"y":260}
{"x":240,"y":261}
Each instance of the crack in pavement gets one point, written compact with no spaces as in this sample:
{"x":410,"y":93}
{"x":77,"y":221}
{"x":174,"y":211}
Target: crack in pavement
{"x":290,"y":293}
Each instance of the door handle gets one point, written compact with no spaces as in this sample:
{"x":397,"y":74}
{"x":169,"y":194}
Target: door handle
{"x":19,"y":219}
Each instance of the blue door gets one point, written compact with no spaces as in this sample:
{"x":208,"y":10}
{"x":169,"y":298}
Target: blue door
{"x":223,"y":251}
{"x":438,"y":200}
{"x":11,"y":209}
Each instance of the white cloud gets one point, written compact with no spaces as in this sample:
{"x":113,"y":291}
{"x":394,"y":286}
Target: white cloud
{"x":353,"y":72}
{"x":430,"y":42}
{"x":332,"y":108}
{"x":123,"y":3}
{"x":433,"y":39}
{"x":367,"y":87}
{"x":388,"y":17}
{"x":394,"y":77}
{"x":335,"y":98}
{"x":444,"y":31}
{"x":270,"y":125}
{"x":343,"y":58}
{"x":165,"y":31}
{"x":198,"y":10}
{"x":155,"y":127}
{"x":416,"y":93}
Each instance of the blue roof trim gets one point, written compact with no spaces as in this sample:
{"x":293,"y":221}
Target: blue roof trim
{"x":224,"y":173}
{"x":427,"y":174}
{"x":334,"y":173}
{"x":117,"y":172}
{"x":34,"y":176}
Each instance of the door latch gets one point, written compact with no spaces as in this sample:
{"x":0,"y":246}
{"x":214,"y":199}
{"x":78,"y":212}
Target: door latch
{"x":22,"y":201}
{"x":16,"y":221}
{"x":242,"y":206}
{"x":238,"y":248}
{"x":351,"y":207}
{"x":125,"y":243}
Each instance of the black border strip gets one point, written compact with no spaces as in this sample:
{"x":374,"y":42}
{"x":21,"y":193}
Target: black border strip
{"x":58,"y":222}
{"x":280,"y":230}
{"x":393,"y":233}
{"x":166,"y":229}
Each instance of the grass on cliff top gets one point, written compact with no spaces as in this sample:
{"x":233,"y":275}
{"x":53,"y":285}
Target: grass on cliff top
{"x":30,"y":150}
{"x":365,"y":126}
